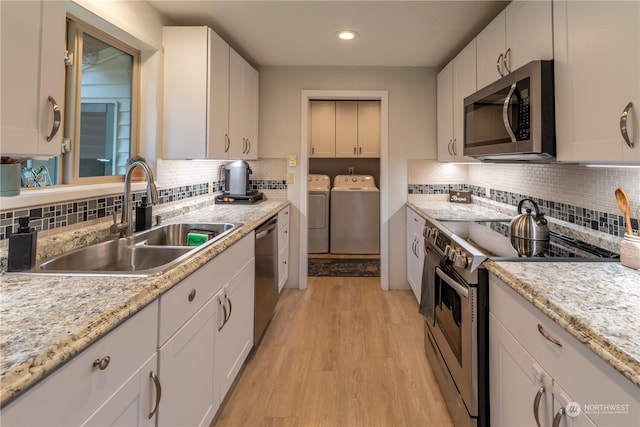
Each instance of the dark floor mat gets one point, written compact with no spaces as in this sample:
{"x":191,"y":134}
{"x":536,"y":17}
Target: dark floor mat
{"x":344,"y":267}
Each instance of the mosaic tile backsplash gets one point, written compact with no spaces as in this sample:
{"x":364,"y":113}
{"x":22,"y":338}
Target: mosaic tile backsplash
{"x":64,"y":214}
{"x":571,"y":193}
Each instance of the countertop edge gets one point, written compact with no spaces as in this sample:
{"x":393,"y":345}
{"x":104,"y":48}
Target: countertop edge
{"x":15,"y":381}
{"x":608,"y":352}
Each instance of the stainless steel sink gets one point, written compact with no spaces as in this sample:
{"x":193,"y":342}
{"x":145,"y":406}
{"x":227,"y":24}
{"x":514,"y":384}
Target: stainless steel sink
{"x":148,"y":252}
{"x":176,"y":234}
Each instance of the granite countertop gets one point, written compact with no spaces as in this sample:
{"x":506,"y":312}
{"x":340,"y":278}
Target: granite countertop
{"x":48,"y":319}
{"x":596,"y":302}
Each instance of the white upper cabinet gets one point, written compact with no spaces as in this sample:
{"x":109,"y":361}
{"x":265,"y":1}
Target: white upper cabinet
{"x":518,"y":35}
{"x":322,"y":128}
{"x":369,"y":129}
{"x":597,"y":81}
{"x":243,"y":109}
{"x":210,"y":97}
{"x":32,"y":68}
{"x":455,"y":82}
{"x":344,"y":129}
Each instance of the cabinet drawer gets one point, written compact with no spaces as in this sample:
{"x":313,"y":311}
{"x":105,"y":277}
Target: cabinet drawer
{"x":584,"y":376}
{"x":283,"y":236}
{"x":76,"y":390}
{"x":283,"y":267}
{"x":183,"y":300}
{"x":283,"y":218}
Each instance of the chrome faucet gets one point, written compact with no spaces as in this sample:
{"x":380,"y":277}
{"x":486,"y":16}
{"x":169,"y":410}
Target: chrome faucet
{"x":124,"y":228}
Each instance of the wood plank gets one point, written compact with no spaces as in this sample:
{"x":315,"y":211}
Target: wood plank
{"x":341,"y":353}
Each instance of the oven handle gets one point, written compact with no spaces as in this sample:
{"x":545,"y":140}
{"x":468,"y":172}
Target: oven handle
{"x":460,"y":290}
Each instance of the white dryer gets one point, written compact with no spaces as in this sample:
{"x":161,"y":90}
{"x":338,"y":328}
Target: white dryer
{"x":319,"y":193}
{"x":355,"y":215}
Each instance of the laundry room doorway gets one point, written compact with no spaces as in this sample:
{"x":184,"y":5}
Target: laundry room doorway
{"x":362,"y":193}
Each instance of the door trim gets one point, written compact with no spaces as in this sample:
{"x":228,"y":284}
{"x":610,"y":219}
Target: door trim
{"x":375,"y":95}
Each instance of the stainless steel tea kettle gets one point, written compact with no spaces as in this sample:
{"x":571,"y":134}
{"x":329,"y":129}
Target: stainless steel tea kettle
{"x":529,"y":232}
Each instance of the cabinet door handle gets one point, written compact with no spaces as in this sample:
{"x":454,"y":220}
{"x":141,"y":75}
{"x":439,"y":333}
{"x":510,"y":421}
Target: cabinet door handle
{"x":506,"y":61}
{"x":449,"y":147}
{"x":192,"y":295}
{"x":500,"y":64}
{"x":536,"y":404}
{"x":224,"y":313}
{"x":313,"y":150}
{"x":359,"y":150}
{"x":249,"y":145}
{"x":56,"y":119}
{"x":226,"y":297}
{"x":453,"y":147}
{"x":227,"y":143}
{"x":156,"y":381}
{"x":548,"y":337}
{"x":103,"y":363}
{"x":558,"y":418}
{"x":354,"y":149}
{"x":623,"y":125}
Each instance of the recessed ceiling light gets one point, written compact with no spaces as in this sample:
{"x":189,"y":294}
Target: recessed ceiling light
{"x":347,"y":35}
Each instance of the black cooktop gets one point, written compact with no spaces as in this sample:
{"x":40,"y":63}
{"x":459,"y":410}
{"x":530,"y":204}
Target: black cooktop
{"x":493,"y":239}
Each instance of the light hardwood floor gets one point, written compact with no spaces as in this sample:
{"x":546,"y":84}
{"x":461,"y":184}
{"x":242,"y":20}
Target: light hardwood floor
{"x":342,"y":353}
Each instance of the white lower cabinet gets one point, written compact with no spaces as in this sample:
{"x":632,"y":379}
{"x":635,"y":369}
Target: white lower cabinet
{"x":234,"y":338}
{"x":528,"y":352}
{"x":283,"y":247}
{"x":135,"y":403}
{"x":108,"y":383}
{"x":186,"y":370}
{"x":206,"y":333}
{"x":415,"y":251}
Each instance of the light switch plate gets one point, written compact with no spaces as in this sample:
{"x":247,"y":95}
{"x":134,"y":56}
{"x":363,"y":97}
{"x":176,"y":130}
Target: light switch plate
{"x":290,"y":179}
{"x":293,"y":160}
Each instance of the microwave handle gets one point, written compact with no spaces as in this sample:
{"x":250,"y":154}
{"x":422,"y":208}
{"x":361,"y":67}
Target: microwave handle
{"x":505,"y":113}
{"x":460,"y":290}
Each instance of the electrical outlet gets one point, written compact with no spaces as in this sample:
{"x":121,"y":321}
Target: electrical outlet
{"x":290,"y":178}
{"x":351,"y":169}
{"x":293,"y":160}
{"x":487,"y":190}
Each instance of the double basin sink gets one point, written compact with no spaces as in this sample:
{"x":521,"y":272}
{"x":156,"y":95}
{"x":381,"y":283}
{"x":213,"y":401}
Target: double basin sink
{"x":148,"y":252}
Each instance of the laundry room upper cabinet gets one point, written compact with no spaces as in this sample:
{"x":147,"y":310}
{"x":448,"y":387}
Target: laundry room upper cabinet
{"x":345,"y":129}
{"x":322,"y":128}
{"x":518,"y":35}
{"x":32,"y":68}
{"x":210,"y":97}
{"x":456,"y":81}
{"x":358,"y":129}
{"x":597,"y":81}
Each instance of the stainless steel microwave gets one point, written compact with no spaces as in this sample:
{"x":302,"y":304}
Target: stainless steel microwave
{"x":513,"y":119}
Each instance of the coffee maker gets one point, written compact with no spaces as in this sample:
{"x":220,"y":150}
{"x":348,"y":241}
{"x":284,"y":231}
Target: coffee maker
{"x":236,"y":178}
{"x":236,"y":184}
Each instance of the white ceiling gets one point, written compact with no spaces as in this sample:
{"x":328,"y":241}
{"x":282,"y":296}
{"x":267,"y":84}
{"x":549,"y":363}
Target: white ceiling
{"x":390,"y":33}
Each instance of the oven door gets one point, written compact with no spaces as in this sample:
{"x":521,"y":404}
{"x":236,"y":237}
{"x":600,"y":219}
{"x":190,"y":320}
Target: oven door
{"x":455,"y":333}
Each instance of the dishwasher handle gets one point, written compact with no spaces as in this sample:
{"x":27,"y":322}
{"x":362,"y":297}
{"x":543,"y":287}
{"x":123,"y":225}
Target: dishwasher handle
{"x":266,"y":228}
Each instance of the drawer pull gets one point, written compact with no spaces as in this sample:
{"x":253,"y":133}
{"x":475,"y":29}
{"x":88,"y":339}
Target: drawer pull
{"x":192,"y":295}
{"x":103,"y":363}
{"x":548,"y":337}
{"x":536,"y":405}
{"x":156,"y":381}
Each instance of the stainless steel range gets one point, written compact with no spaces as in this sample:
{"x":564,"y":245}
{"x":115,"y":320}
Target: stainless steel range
{"x":455,"y":303}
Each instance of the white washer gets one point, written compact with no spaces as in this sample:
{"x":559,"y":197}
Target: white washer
{"x":318,"y":188}
{"x":355,"y":215}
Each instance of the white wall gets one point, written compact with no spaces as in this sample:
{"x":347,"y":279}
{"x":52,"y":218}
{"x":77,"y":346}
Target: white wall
{"x":412,"y":133}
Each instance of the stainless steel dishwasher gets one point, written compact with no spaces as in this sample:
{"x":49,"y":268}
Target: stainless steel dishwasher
{"x":266,"y":294}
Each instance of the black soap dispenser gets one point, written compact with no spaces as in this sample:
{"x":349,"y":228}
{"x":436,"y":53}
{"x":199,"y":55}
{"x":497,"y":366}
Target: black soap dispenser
{"x":143,"y":215}
{"x":22,"y":247}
